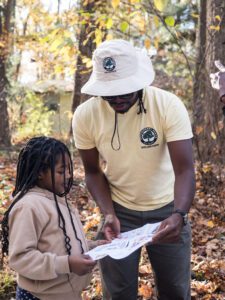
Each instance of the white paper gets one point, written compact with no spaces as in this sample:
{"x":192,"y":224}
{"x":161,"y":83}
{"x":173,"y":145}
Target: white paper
{"x":127,"y":243}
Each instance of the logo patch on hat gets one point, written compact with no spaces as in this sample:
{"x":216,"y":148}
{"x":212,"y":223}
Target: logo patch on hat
{"x":109,"y":64}
{"x":148,"y":136}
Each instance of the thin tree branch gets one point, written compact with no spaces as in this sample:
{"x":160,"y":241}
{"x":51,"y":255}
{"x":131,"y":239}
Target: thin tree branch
{"x":172,"y":34}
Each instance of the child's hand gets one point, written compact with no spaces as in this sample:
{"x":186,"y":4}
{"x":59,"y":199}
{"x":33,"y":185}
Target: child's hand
{"x":93,"y":244}
{"x":81,"y":265}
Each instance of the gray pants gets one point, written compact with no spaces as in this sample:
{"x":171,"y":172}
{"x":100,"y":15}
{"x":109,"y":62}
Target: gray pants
{"x":170,"y":262}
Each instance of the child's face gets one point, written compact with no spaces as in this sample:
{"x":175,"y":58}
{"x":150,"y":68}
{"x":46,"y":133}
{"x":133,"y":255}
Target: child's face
{"x":45,"y":178}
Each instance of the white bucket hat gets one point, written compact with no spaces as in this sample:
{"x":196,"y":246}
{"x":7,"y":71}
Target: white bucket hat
{"x":118,"y":69}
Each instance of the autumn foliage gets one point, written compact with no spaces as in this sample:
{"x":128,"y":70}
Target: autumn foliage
{"x":207,"y":220}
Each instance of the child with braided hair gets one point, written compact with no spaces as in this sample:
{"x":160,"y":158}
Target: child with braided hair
{"x":41,"y":231}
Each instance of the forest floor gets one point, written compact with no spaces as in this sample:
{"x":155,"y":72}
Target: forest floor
{"x":208,"y":236}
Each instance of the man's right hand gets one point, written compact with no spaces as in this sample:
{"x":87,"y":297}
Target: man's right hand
{"x":81,"y":264}
{"x":111,"y":227}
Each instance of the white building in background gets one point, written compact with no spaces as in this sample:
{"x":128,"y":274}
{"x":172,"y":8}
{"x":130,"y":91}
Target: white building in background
{"x":56,"y":94}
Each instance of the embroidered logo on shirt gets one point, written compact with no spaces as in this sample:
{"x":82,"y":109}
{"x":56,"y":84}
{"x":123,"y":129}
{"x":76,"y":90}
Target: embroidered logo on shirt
{"x":148,"y":136}
{"x":109,"y":64}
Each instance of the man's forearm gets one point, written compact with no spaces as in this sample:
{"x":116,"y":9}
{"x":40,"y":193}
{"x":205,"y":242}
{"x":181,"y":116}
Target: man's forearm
{"x":98,"y":186}
{"x":184,"y":190}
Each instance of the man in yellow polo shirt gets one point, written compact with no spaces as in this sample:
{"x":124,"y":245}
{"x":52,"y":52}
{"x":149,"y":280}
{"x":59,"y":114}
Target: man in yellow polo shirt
{"x":144,"y":136}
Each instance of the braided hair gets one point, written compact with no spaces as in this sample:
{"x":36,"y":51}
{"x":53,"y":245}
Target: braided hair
{"x":39,"y":155}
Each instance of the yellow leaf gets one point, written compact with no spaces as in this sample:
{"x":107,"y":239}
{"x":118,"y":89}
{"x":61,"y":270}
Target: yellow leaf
{"x":115,"y":3}
{"x":196,"y":16}
{"x":217,"y":28}
{"x":54,"y":46}
{"x":213,"y":135}
{"x":160,"y":4}
{"x":58,"y":69}
{"x":109,"y":23}
{"x":98,"y":36}
{"x":218,"y":18}
{"x":156,"y":21}
{"x":89,"y":64}
{"x":147,"y":43}
{"x":206,"y":168}
{"x":156,"y":43}
{"x":210,"y":224}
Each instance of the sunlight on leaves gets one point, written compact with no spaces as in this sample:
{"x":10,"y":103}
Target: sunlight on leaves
{"x":109,"y":23}
{"x":98,"y":36}
{"x":213,"y":135}
{"x":156,"y":43}
{"x":156,"y":21}
{"x":115,"y":3}
{"x":218,"y":18}
{"x":195,"y":16}
{"x":147,"y":43}
{"x":160,"y":4}
{"x":217,"y":28}
{"x":135,"y":1}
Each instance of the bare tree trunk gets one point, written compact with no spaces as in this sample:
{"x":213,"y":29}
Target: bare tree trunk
{"x":4,"y":117}
{"x":208,"y":118}
{"x":6,"y":26}
{"x":85,"y":49}
{"x":82,"y":74}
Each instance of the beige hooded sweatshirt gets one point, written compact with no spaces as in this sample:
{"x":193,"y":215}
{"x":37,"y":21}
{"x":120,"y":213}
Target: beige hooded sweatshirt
{"x":37,"y":247}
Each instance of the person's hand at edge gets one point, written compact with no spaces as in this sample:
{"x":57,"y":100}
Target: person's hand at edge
{"x":81,"y":264}
{"x":169,"y":230}
{"x":111,"y":227}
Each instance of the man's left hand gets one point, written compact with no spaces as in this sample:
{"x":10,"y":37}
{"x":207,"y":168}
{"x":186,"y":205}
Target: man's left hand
{"x":169,"y":230}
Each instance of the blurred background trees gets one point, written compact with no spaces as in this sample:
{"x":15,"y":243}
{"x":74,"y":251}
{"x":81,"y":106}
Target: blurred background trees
{"x":7,"y":13}
{"x":209,"y":124}
{"x":45,"y":56}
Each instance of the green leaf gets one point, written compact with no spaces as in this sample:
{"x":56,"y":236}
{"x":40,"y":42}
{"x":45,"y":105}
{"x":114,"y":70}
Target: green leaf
{"x":170,"y":21}
{"x":109,"y":23}
{"x":124,"y":26}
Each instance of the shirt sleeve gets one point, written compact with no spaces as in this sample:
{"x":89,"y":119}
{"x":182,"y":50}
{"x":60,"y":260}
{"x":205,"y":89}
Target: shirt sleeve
{"x":81,"y":131}
{"x":178,"y":125}
{"x":24,"y":257}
